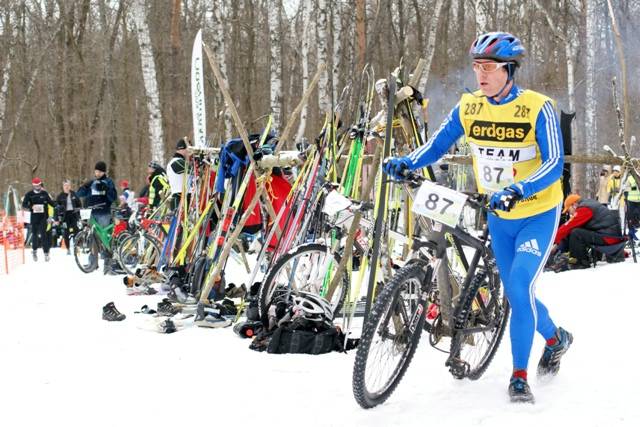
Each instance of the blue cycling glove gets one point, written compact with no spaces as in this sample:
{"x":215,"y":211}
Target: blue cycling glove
{"x":396,"y":167}
{"x":506,"y":199}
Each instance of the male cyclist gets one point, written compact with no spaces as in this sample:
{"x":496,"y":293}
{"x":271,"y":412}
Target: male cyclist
{"x":517,"y":157}
{"x":100,"y":193}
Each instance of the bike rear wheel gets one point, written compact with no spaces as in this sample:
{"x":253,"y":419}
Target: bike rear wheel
{"x":391,"y":334}
{"x":309,"y":268}
{"x":137,"y":251}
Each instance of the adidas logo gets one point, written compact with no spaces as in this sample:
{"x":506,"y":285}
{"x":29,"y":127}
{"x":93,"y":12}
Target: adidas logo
{"x":530,"y":246}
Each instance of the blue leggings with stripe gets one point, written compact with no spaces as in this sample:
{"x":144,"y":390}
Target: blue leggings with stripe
{"x":521,"y":248}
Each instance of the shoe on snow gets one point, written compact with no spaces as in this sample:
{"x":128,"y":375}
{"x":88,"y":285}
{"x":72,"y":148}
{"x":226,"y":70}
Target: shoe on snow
{"x":248,"y":329}
{"x":165,"y":308}
{"x":46,"y":257}
{"x":141,"y":289}
{"x":233,"y":291}
{"x":550,"y":361}
{"x":178,"y":295}
{"x":34,"y":254}
{"x":168,"y":327}
{"x":519,"y":391}
{"x":111,"y":313}
{"x":212,"y":321}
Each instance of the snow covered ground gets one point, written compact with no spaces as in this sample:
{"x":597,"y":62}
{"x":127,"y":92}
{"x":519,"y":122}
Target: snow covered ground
{"x":62,"y":365}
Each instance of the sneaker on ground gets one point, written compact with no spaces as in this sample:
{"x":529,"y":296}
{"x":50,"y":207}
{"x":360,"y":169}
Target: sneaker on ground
{"x":34,"y":254}
{"x":68,"y":251}
{"x":165,"y":308}
{"x":234,"y":291}
{"x":519,"y":391}
{"x":212,"y":321}
{"x":178,"y":295}
{"x":550,"y":361}
{"x":46,"y":257}
{"x":141,"y":289}
{"x":111,"y":313}
{"x":168,"y":327}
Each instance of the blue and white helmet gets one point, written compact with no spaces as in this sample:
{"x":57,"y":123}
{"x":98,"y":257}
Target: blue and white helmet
{"x":503,"y":47}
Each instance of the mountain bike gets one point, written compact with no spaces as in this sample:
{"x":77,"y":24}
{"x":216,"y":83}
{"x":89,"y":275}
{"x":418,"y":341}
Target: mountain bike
{"x":91,"y":241}
{"x":478,"y":308}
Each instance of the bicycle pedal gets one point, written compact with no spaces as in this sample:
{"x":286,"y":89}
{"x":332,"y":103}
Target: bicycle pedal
{"x":458,"y":368}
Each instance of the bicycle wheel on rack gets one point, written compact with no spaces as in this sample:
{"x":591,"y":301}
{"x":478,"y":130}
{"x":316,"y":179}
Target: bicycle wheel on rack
{"x":309,"y":268}
{"x":391,"y":334}
{"x":480,"y":321}
{"x":137,"y":251}
{"x":85,"y":251}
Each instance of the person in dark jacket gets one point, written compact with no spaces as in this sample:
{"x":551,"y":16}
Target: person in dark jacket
{"x":158,"y":184}
{"x":99,"y":192}
{"x":37,"y":202}
{"x":67,"y":205}
{"x":590,"y":224}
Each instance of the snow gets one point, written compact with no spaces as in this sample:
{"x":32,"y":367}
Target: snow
{"x":61,"y":364}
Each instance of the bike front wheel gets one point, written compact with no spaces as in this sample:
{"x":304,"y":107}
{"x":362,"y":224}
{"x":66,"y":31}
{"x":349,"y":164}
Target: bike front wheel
{"x":85,"y":251}
{"x":391,"y":334}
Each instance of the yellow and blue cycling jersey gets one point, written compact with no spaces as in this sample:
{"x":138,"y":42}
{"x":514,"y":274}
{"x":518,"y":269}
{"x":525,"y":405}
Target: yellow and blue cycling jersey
{"x":516,"y":140}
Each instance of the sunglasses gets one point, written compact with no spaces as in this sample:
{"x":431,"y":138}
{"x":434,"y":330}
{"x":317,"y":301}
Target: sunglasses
{"x":488,"y":67}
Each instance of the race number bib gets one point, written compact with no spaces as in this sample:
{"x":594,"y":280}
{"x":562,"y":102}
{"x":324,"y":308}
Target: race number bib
{"x":439,"y":203}
{"x":495,"y":175}
{"x":37,"y":208}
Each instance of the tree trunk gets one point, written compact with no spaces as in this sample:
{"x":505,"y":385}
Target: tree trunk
{"x":324,"y":102}
{"x":590,"y":128}
{"x":6,"y":71}
{"x":336,"y":16}
{"x":361,"y":36}
{"x":219,"y":50}
{"x":482,"y":20}
{"x":431,"y":44}
{"x":149,"y":77}
{"x":304,"y":58}
{"x":275,"y":62}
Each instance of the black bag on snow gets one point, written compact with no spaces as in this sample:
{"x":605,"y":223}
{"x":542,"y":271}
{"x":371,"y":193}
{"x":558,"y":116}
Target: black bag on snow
{"x":289,"y":340}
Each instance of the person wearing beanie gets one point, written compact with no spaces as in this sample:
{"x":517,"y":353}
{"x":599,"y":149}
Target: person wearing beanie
{"x":590,"y":224}
{"x":176,"y":171}
{"x":158,"y":185}
{"x":37,"y":201}
{"x":99,"y":194}
{"x":67,"y":204}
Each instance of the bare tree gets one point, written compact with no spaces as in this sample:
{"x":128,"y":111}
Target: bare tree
{"x":138,"y":10}
{"x":219,"y":50}
{"x":321,"y":28}
{"x":304,"y":58}
{"x":275,"y":61}
{"x":431,"y":43}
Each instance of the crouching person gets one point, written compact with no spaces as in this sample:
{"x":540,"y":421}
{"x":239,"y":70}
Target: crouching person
{"x":590,"y":225}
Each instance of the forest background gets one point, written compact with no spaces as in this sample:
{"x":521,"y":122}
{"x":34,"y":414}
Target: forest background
{"x":88,"y":80}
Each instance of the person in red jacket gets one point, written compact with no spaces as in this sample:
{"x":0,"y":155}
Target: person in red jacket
{"x":590,"y":224}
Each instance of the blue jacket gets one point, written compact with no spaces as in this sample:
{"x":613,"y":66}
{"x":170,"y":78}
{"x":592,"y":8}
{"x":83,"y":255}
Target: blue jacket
{"x":99,"y":191}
